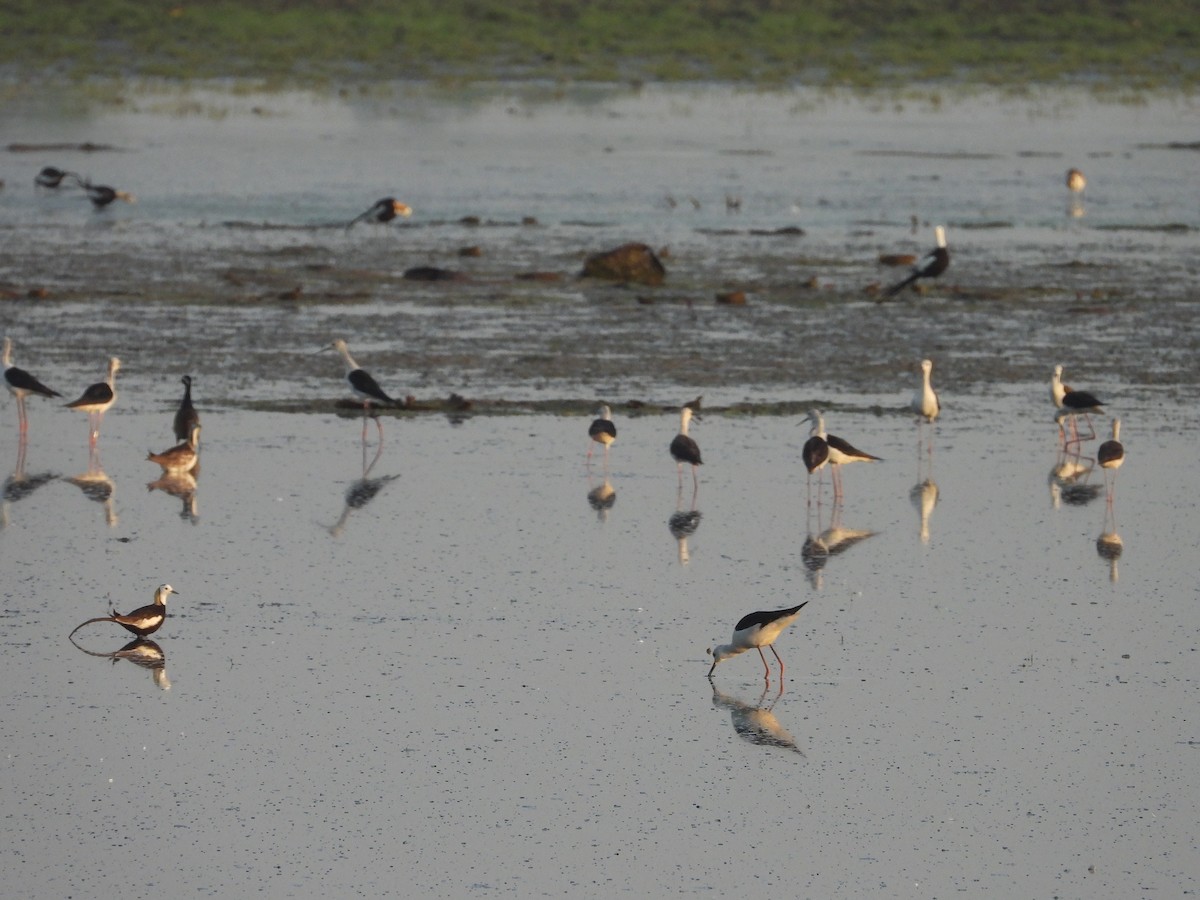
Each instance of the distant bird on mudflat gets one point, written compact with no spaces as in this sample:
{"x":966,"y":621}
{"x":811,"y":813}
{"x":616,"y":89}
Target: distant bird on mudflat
{"x":21,"y":384}
{"x":757,"y":630}
{"x":102,"y":195}
{"x":931,"y":265}
{"x":142,"y":621}
{"x":182,"y":457}
{"x":602,"y":431}
{"x":384,"y":210}
{"x":52,"y":177}
{"x":186,"y":416}
{"x":684,"y":449}
{"x":96,"y":400}
{"x":1076,"y":182}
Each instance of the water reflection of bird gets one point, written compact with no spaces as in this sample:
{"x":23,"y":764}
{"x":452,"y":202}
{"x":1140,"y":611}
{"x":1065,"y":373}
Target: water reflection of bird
{"x":602,"y":498}
{"x":1110,"y":455}
{"x":142,"y":652}
{"x":96,"y":400}
{"x":757,"y":630}
{"x":601,"y":431}
{"x":102,"y":195}
{"x":1109,"y":545}
{"x":1069,"y":480}
{"x":755,"y":722}
{"x":362,"y":491}
{"x":21,"y":384}
{"x":931,"y":265}
{"x":382,"y":211}
{"x":182,"y":457}
{"x":819,"y":548}
{"x":924,"y":497}
{"x":181,"y":485}
{"x":365,"y":387}
{"x":822,"y":448}
{"x":19,"y":485}
{"x":52,"y":177}
{"x":186,"y":416}
{"x":925,"y":402}
{"x":684,"y":448}
{"x":142,"y":621}
{"x":98,"y":487}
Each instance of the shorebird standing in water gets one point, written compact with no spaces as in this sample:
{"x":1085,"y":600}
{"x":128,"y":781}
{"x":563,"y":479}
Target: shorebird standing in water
{"x":21,"y":384}
{"x":102,"y":195}
{"x":822,"y":448}
{"x":142,"y":621}
{"x":684,"y":449}
{"x":52,"y":177}
{"x":186,"y":416}
{"x":602,"y":431}
{"x":182,"y":457}
{"x":1110,"y":456}
{"x":925,"y":402}
{"x":757,"y":630}
{"x":365,"y":387}
{"x":97,"y":399}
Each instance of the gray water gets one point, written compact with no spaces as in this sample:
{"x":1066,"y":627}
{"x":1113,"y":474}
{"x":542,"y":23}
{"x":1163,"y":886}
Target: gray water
{"x":476,"y":682}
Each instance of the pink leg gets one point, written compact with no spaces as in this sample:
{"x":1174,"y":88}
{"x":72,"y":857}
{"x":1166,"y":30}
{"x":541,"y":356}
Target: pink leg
{"x":766,"y":668}
{"x":780,"y":658}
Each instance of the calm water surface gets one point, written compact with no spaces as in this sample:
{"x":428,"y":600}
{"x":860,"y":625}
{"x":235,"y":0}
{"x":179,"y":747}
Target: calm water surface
{"x":463,"y":678}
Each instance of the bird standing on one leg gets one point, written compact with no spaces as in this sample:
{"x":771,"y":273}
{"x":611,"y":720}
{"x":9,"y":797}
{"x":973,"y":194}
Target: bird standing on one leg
{"x":684,"y":449}
{"x":757,"y":630}
{"x":142,"y":621}
{"x":931,"y":265}
{"x":21,"y":384}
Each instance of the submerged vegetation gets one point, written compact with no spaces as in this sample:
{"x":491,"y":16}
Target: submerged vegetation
{"x":1139,"y":43}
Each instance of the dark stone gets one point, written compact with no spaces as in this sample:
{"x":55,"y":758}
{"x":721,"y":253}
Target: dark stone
{"x":629,"y":262}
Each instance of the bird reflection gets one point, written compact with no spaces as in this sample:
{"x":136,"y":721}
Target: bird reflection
{"x":601,"y":498}
{"x":98,"y":487}
{"x":20,"y":484}
{"x":141,"y":652}
{"x":683,"y":524}
{"x":1068,"y":480}
{"x":183,"y":486}
{"x":756,"y":722}
{"x":924,"y":497}
{"x":1109,"y":545}
{"x":821,"y":545}
{"x":362,"y":491}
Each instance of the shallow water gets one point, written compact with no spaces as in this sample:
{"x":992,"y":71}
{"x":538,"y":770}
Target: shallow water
{"x":476,"y":682}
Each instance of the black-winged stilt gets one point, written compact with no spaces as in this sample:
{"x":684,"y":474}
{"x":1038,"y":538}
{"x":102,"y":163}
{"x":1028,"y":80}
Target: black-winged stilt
{"x":757,"y":630}
{"x":684,"y":449}
{"x":1074,"y":404}
{"x":365,"y":387}
{"x":822,"y":448}
{"x":602,"y":431}
{"x":383,"y":211}
{"x":182,"y":457}
{"x":21,"y":384}
{"x":931,"y":265}
{"x":186,"y":416}
{"x":142,"y":621}
{"x":1110,"y":456}
{"x":97,"y":399}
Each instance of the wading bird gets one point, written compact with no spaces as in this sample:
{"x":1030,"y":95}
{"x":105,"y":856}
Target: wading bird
{"x":21,"y":384}
{"x":143,"y":621}
{"x":52,"y":177}
{"x":101,"y":194}
{"x":1110,"y":456}
{"x":684,"y":449}
{"x":602,"y":431}
{"x":365,"y":387}
{"x":931,"y":265}
{"x":186,"y":416}
{"x":96,"y":400}
{"x":182,"y":457}
{"x":757,"y":630}
{"x":822,"y":448}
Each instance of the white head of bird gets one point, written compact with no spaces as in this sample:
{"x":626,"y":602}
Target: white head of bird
{"x":940,"y":233}
{"x":818,"y":421}
{"x":160,"y":595}
{"x":685,"y":416}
